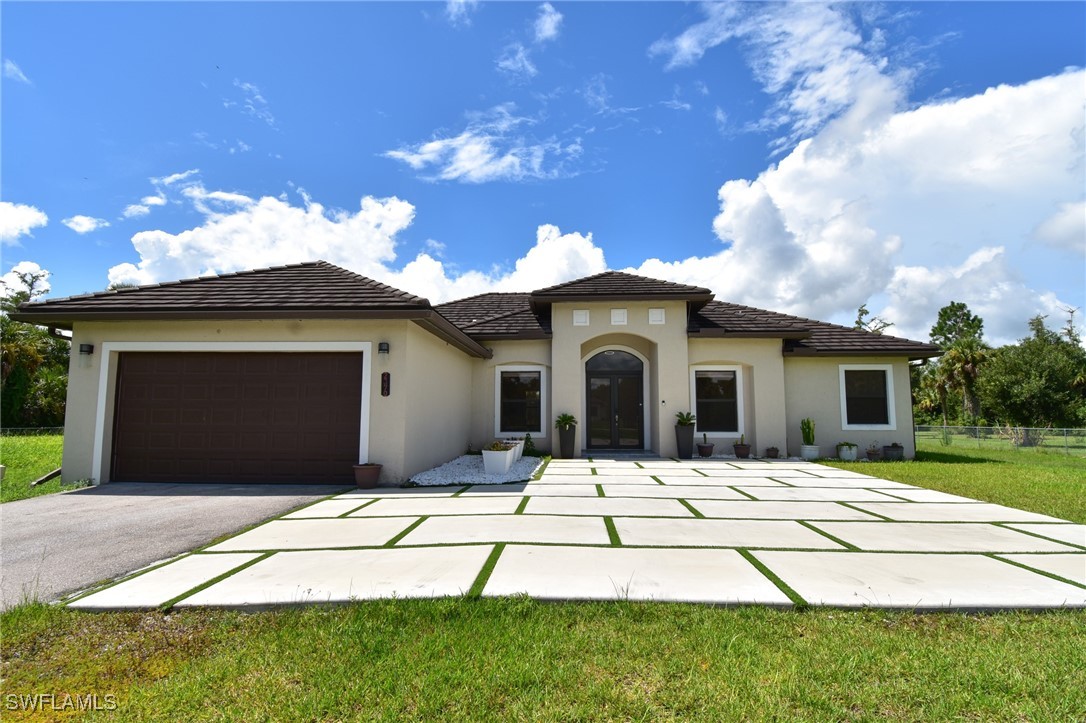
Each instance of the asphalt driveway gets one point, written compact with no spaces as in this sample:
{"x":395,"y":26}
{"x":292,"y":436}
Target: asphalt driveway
{"x":56,"y":544}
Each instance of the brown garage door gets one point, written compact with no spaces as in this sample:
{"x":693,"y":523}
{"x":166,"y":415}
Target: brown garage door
{"x":236,"y":417}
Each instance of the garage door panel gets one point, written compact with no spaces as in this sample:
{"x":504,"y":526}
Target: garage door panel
{"x":237,"y":417}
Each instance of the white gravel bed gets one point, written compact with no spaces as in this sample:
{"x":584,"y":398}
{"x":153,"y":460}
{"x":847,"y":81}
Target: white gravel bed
{"x":468,"y":470}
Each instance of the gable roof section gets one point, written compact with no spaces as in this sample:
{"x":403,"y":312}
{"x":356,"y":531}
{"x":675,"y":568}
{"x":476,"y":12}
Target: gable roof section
{"x":312,"y":290}
{"x":620,"y":286}
{"x":498,"y":316}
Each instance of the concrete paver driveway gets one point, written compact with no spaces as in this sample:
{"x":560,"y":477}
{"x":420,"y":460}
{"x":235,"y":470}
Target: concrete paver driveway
{"x":55,"y":544}
{"x":721,"y":532}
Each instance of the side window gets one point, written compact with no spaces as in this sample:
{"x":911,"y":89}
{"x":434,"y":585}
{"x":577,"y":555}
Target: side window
{"x":867,"y":396}
{"x":520,"y":406}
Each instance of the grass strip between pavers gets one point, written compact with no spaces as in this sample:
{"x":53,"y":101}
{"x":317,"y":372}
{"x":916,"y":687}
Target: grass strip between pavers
{"x":852,"y":506}
{"x":542,"y":468}
{"x":748,"y":495}
{"x":696,"y":512}
{"x":1004,"y":525}
{"x":406,"y":531}
{"x":594,"y":473}
{"x":356,"y":509}
{"x":599,"y":491}
{"x":218,"y":578}
{"x":461,"y":491}
{"x":1054,"y":576}
{"x":784,"y":587}
{"x":106,"y":584}
{"x":828,"y":536}
{"x":658,"y":480}
{"x":612,"y":531}
{"x":476,"y":590}
{"x":520,"y":507}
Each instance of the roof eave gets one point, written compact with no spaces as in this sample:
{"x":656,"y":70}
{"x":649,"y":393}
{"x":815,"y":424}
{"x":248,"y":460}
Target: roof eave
{"x":725,"y":334}
{"x":912,"y":354}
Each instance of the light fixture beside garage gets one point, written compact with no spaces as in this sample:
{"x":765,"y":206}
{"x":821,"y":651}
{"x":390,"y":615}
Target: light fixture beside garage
{"x":86,"y":349}
{"x":85,"y":352}
{"x":382,"y":347}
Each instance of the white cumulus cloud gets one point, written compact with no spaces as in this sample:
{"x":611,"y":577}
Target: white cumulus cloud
{"x":237,"y":229}
{"x":1066,"y":228}
{"x":18,"y":219}
{"x":84,"y":224}
{"x":458,"y":12}
{"x":903,"y":210}
{"x":547,"y":23}
{"x":516,"y":62}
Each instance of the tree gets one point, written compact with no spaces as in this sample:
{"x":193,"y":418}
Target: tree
{"x":875,"y":325}
{"x":1036,"y":382}
{"x":33,"y":364}
{"x":962,"y":363}
{"x":956,"y":322}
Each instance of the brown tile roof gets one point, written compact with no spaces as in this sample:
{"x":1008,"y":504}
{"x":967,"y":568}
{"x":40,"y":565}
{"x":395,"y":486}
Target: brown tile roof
{"x":614,"y":285}
{"x":498,"y":316}
{"x":311,"y":290}
{"x":803,"y":336}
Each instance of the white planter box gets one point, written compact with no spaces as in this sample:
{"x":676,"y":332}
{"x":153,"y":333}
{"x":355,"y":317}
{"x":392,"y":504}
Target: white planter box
{"x":498,"y":462}
{"x":809,"y":451}
{"x":519,"y":449}
{"x":847,"y":454}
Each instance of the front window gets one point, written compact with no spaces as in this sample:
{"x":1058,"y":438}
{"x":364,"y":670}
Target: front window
{"x":716,"y":394}
{"x":521,"y":396}
{"x":867,"y":398}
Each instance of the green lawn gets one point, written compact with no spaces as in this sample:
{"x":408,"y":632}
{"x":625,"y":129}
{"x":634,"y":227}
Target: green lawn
{"x":518,"y":659}
{"x":1051,"y":483}
{"x":27,"y":458}
{"x":477,"y":659}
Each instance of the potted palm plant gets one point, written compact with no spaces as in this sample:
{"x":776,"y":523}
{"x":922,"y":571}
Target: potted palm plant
{"x":566,"y":424}
{"x":742,"y":449}
{"x":705,"y":447}
{"x":808,"y":450}
{"x":684,"y":434}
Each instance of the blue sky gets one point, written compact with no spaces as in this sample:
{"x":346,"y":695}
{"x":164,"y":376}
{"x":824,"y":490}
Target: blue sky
{"x":804,"y":158}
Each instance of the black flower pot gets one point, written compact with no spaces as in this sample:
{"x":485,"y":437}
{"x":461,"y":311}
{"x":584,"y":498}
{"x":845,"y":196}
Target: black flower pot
{"x":705,"y":450}
{"x":891,"y":453}
{"x":565,"y":440}
{"x":684,"y":438}
{"x":742,"y":451}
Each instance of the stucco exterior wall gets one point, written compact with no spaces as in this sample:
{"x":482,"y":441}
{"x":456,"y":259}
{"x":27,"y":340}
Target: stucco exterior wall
{"x":662,"y":346}
{"x":813,"y":389}
{"x":530,"y":352}
{"x":436,"y":392}
{"x":387,"y":436}
{"x":764,"y":403}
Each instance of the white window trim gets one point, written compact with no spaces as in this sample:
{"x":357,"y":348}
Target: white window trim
{"x":660,"y":316}
{"x":498,"y":431}
{"x":619,"y":317}
{"x":891,"y":412}
{"x":110,"y":359}
{"x":740,"y":401}
{"x":581,"y":317}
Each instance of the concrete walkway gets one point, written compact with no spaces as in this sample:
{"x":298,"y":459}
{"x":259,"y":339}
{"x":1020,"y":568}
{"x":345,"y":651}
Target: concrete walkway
{"x":720,"y":532}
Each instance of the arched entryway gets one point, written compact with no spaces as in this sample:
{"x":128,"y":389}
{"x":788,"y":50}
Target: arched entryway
{"x":615,"y":392}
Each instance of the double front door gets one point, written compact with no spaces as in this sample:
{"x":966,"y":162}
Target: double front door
{"x":615,"y":393}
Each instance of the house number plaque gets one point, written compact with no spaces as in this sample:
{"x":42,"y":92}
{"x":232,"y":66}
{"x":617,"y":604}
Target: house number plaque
{"x":386,"y":384}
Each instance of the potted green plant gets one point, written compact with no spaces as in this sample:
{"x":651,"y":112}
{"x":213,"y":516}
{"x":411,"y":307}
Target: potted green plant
{"x":366,"y":475}
{"x":684,"y":434}
{"x":498,"y":458}
{"x":742,"y":449}
{"x":846,"y":451}
{"x":808,"y":450}
{"x":893,"y":452}
{"x":873,"y":451}
{"x":772,"y":453}
{"x":705,"y":447}
{"x":566,"y":424}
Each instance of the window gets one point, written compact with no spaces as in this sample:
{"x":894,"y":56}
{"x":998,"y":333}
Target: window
{"x":519,"y":395}
{"x":656,"y":316}
{"x":867,"y":396}
{"x":580,"y":317}
{"x":618,"y":317}
{"x":718,"y":399}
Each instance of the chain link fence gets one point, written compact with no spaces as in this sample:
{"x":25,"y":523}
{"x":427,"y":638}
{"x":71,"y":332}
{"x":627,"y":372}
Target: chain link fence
{"x":1022,"y":439}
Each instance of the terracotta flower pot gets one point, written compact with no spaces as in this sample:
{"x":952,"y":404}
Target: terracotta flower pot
{"x":366,"y":475}
{"x":705,"y":450}
{"x":742,"y":451}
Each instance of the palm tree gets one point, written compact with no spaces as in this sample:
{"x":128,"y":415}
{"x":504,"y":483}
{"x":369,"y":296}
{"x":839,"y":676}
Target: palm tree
{"x":963,"y":361}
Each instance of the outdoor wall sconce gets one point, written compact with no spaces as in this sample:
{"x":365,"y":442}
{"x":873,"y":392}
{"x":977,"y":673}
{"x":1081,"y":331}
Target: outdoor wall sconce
{"x":86,"y":349}
{"x":382,"y":347}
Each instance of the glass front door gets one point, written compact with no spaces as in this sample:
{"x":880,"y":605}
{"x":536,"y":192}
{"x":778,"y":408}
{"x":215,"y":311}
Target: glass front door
{"x":615,"y":392}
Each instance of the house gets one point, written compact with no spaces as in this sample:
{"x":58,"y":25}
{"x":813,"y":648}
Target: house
{"x":297,"y":372}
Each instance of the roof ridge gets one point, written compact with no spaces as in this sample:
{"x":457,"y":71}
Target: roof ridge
{"x":381,"y":285}
{"x":485,"y":293}
{"x":674,"y":285}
